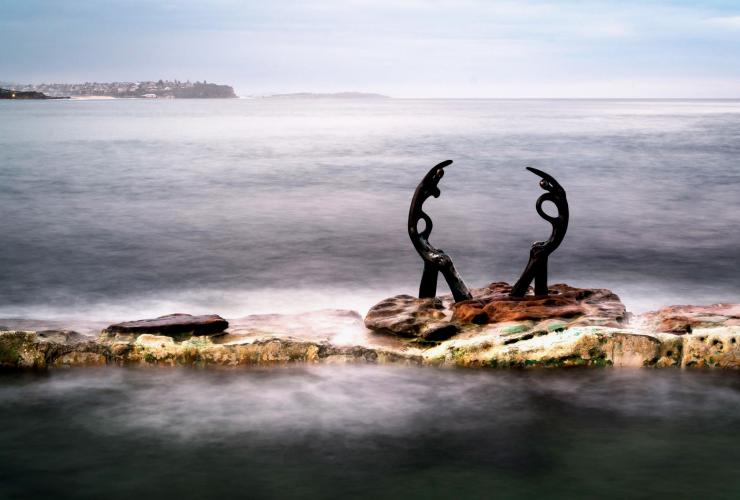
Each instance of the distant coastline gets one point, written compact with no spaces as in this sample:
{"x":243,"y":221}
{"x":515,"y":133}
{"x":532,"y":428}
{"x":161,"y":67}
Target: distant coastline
{"x":161,"y":89}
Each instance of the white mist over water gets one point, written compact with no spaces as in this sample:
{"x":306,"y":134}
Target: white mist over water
{"x":116,"y":210}
{"x":228,"y":303}
{"x":355,"y":400}
{"x":369,"y":432}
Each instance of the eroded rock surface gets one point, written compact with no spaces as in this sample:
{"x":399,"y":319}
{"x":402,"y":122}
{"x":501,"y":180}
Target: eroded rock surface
{"x":30,"y":349}
{"x":440,"y":318}
{"x":411,"y":317}
{"x":171,"y":325}
{"x":576,"y":306}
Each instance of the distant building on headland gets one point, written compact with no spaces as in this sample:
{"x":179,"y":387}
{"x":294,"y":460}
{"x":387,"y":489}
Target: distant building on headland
{"x":159,"y":89}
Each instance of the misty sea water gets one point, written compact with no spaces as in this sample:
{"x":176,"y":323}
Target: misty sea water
{"x":369,"y":432}
{"x":123,"y":209}
{"x":114,"y":208}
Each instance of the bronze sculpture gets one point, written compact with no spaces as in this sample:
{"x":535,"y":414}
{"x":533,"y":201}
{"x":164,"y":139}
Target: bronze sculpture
{"x":537,"y":266}
{"x":435,"y":260}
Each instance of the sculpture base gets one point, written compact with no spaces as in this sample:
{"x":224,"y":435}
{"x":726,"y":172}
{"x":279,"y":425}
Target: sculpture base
{"x":440,"y":318}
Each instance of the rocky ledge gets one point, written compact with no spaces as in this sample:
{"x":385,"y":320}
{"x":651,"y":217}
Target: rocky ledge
{"x":569,"y":327}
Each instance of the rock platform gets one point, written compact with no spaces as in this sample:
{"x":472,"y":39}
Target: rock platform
{"x":569,"y":327}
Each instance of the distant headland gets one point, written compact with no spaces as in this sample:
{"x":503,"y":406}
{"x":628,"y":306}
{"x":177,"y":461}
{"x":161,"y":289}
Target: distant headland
{"x":163,"y":89}
{"x":18,"y":94}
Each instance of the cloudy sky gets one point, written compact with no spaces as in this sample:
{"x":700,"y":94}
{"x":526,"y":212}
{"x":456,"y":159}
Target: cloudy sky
{"x":404,"y":48}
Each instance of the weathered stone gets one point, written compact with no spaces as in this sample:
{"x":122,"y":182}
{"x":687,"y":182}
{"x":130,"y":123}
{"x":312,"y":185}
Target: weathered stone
{"x":29,"y":349}
{"x":712,"y":347}
{"x":339,"y":337}
{"x":411,"y":317}
{"x":202,"y":351}
{"x":440,"y":319}
{"x":62,"y":336}
{"x":685,"y":319}
{"x":578,"y":346}
{"x":172,"y":325}
{"x":494,"y":305}
{"x":80,"y":358}
{"x":21,"y":350}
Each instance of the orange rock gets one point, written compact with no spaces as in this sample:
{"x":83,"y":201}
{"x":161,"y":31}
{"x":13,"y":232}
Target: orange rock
{"x":439,"y":318}
{"x":563,"y":302}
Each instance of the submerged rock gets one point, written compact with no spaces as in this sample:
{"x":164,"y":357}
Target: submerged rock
{"x":174,"y":325}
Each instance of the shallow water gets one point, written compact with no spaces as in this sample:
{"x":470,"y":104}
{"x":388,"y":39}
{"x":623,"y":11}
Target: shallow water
{"x":369,"y":432}
{"x":131,"y":208}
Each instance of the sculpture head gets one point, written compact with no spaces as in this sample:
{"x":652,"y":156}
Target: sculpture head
{"x":548,"y":182}
{"x":430,"y":183}
{"x":428,"y":187}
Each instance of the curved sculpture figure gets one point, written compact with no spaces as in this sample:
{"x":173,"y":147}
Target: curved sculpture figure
{"x":435,"y":260}
{"x":537,"y":266}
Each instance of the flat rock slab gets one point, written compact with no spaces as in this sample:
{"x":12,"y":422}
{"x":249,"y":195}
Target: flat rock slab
{"x":171,"y":325}
{"x":685,"y":319}
{"x":439,"y":318}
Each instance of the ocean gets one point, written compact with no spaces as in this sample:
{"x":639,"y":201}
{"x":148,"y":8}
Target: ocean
{"x":126,"y":209}
{"x":119,"y":209}
{"x":369,"y":432}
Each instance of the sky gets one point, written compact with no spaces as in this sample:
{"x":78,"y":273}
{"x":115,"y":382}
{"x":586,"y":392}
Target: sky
{"x":402,"y":48}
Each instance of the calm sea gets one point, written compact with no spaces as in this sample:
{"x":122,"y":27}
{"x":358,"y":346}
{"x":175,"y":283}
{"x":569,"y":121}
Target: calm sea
{"x":123,"y":208}
{"x":370,"y":432}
